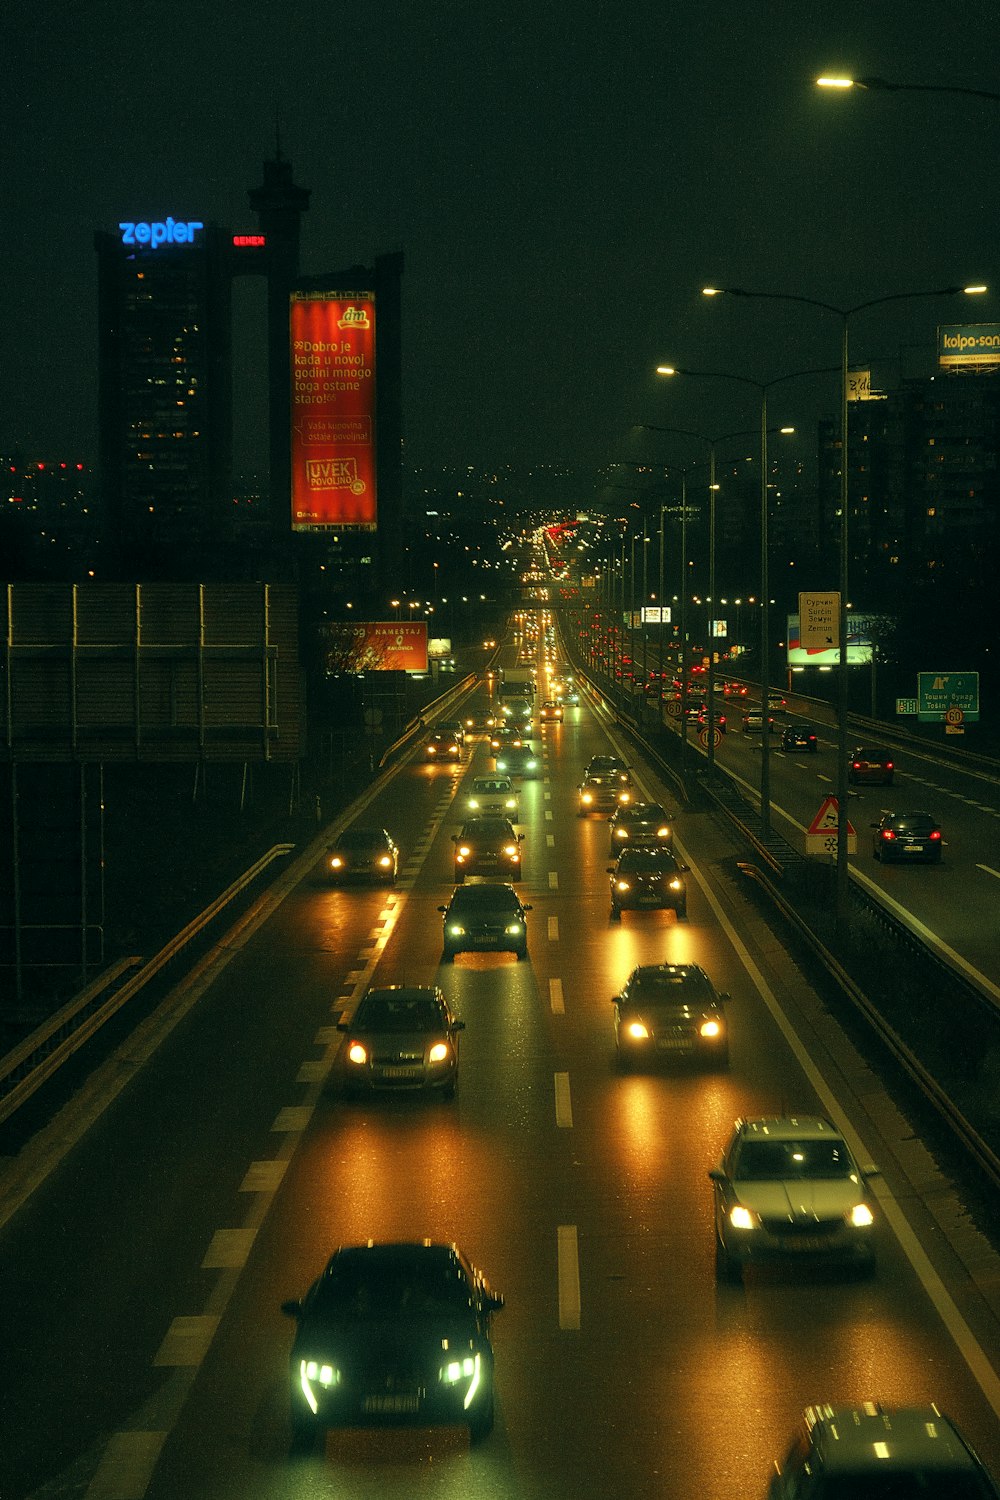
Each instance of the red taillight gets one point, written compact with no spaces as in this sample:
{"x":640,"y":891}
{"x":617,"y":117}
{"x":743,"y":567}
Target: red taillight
{"x":935,"y":833}
{"x":888,"y":833}
{"x":856,"y":765}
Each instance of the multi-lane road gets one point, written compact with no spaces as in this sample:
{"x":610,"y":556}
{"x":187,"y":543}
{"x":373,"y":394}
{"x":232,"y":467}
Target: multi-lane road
{"x":207,"y":1172}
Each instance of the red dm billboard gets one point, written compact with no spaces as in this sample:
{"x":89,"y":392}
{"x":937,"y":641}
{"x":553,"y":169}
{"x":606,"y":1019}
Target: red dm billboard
{"x":333,"y":411}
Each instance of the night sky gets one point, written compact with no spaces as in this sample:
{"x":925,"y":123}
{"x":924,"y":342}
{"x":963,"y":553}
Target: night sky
{"x":562,"y":178}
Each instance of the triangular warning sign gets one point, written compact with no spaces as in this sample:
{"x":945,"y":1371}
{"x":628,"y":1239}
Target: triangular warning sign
{"x":826,"y":818}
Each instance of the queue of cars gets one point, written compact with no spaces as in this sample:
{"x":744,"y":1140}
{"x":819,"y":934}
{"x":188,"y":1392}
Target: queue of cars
{"x":400,"y":1332}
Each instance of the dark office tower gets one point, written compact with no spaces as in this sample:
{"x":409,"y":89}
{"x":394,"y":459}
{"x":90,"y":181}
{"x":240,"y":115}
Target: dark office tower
{"x":279,"y":206}
{"x":165,"y":405}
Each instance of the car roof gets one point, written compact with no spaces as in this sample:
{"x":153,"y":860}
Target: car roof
{"x":641,"y":810}
{"x":854,"y":1437}
{"x":403,"y":992}
{"x":916,"y":816}
{"x":668,"y":976}
{"x":393,"y":1256}
{"x":490,"y":823}
{"x":788,"y":1128}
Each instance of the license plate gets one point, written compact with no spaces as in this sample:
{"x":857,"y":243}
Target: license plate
{"x":913,"y":848}
{"x":393,"y":1404}
{"x":400,"y":1072}
{"x":649,"y":900}
{"x":806,"y":1242}
{"x":674,"y":1044}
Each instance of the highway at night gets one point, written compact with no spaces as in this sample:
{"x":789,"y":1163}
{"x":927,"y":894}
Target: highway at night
{"x":149,"y":1263}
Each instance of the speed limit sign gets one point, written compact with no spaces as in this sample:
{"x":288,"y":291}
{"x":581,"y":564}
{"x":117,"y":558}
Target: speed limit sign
{"x":954,"y":716}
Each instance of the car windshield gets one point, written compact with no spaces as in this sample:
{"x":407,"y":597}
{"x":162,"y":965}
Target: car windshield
{"x":358,"y":1290}
{"x":482,"y":787}
{"x":667,"y":989}
{"x":778,"y":1161}
{"x":399,"y":1012}
{"x":487,"y":828}
{"x":483,"y":898}
{"x":361,"y":838}
{"x":646,"y":859}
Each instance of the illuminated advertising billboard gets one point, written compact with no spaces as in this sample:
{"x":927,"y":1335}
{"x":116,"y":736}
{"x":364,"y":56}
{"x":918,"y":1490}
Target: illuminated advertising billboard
{"x":859,"y":645}
{"x":969,"y":344}
{"x":375,"y":646}
{"x":333,"y":411}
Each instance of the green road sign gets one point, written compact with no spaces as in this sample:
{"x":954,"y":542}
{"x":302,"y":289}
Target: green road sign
{"x":937,"y":692}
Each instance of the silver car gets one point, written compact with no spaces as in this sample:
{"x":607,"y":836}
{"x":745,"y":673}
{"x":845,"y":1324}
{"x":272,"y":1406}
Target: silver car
{"x":788,"y":1189}
{"x":401,"y":1037}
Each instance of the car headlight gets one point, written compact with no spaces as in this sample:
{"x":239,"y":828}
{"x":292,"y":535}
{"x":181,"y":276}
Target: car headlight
{"x":624,"y":797}
{"x":440,"y":1052}
{"x":861,"y":1216}
{"x":513,"y":928}
{"x":472,"y":804}
{"x":454,"y":930}
{"x":676,"y":885}
{"x":710,"y":1029}
{"x":741,"y":1218}
{"x":385,"y":861}
{"x":622,"y":885}
{"x":510,"y":804}
{"x":458,"y":1370}
{"x":313,"y":1373}
{"x":336,"y":863}
{"x":356,"y":1053}
{"x":586,"y":797}
{"x":464,"y":851}
{"x":637,"y":1030}
{"x":621,"y":833}
{"x":510,"y":850}
{"x":432,"y":750}
{"x":663,"y":833}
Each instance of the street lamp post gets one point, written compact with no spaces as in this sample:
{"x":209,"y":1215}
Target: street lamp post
{"x":765,"y":775}
{"x":844,"y":314}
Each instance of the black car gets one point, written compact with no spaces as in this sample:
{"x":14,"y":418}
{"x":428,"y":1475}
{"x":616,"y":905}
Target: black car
{"x":799,"y":737}
{"x":647,"y":878}
{"x":487,"y":846}
{"x":453,"y":727}
{"x":393,"y":1334}
{"x":669,"y":1011}
{"x":518,"y":760}
{"x":873,"y":1450}
{"x":363,"y":854}
{"x":639,"y":824}
{"x":907,"y":836}
{"x":866,"y":765}
{"x":484,"y":918}
{"x":401,"y":1037}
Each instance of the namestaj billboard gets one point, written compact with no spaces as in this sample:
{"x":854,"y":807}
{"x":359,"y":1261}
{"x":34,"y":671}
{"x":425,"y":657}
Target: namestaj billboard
{"x":333,"y":411}
{"x":375,"y":646}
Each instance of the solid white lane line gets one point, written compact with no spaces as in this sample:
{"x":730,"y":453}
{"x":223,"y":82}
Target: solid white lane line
{"x":564,"y":1106}
{"x":556,"y":1000}
{"x":553,"y":924}
{"x":568,"y":1261}
{"x":964,"y":1339}
{"x":988,"y":870}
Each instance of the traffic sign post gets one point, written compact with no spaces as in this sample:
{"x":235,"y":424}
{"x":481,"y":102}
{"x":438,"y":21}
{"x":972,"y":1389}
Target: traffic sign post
{"x":821,"y":835}
{"x":940,"y":692}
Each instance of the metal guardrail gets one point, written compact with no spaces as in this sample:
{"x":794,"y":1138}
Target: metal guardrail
{"x":903,"y":1054}
{"x":40,"y":1055}
{"x":420,"y":722}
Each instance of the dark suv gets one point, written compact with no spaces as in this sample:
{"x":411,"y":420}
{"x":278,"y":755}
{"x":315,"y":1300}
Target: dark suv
{"x":639,"y":824}
{"x":873,"y":1451}
{"x":484,"y":918}
{"x":487,"y":846}
{"x":606,"y":785}
{"x":670,"y":1011}
{"x":650,"y":877}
